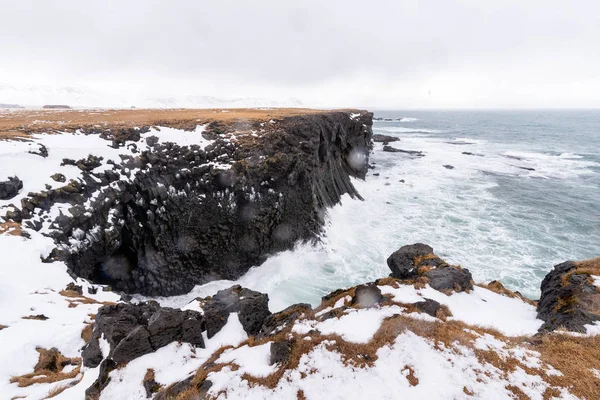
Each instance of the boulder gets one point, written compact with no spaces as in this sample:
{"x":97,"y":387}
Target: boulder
{"x":10,"y":188}
{"x":428,"y":306}
{"x":450,"y":278}
{"x":402,"y":261}
{"x":418,"y":261}
{"x":252,"y":308}
{"x":366,"y":296}
{"x":569,"y":297}
{"x":133,"y":330}
{"x":280,"y":351}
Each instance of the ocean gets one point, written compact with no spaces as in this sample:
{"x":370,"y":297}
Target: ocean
{"x":506,"y":194}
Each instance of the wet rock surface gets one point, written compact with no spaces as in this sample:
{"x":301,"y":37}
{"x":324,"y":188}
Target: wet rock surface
{"x":169,"y":217}
{"x":385,"y":139}
{"x":418,"y":261}
{"x":569,"y":298}
{"x":415,"y":153}
{"x":10,"y":188}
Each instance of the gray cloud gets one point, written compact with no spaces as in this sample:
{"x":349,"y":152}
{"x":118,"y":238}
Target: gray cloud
{"x":492,"y":53}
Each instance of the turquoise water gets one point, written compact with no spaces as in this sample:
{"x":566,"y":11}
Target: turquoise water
{"x":527,"y":199}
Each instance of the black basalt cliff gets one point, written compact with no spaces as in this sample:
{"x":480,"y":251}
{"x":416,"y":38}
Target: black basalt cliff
{"x":187,"y":215}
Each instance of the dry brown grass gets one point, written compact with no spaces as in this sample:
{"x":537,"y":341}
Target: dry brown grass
{"x":86,"y":332}
{"x":587,"y":267}
{"x":61,"y":388}
{"x":49,"y":369}
{"x":81,"y":299}
{"x":573,"y":356}
{"x":10,"y":228}
{"x":19,"y":124}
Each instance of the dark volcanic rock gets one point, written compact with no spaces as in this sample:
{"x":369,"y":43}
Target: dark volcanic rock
{"x":181,"y":220}
{"x":277,"y":322}
{"x":134,"y":330}
{"x":450,"y":278}
{"x":418,"y":260}
{"x":135,"y":344}
{"x":391,"y":149}
{"x":10,"y":188}
{"x":42,"y":151}
{"x":385,"y":139}
{"x":447,"y":166}
{"x":93,"y":392}
{"x":428,"y":306}
{"x":59,"y":178}
{"x":252,"y":308}
{"x":402,"y":261}
{"x":280,"y":351}
{"x":569,"y":298}
{"x":366,"y":296}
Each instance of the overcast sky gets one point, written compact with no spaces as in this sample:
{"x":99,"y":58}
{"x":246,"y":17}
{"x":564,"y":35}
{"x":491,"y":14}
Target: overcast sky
{"x":404,"y":54}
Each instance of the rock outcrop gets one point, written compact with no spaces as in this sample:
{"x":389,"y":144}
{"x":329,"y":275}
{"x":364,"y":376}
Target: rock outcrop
{"x":252,"y":308}
{"x":570,"y":296}
{"x":168,"y":217}
{"x":134,"y":330}
{"x":417,"y":261}
{"x":10,"y":188}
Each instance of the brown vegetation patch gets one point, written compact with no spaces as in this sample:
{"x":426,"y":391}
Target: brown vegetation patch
{"x":10,"y":228}
{"x":409,"y":373}
{"x":3,"y":327}
{"x":61,"y":388}
{"x":49,"y":369}
{"x":19,"y":124}
{"x":81,"y":299}
{"x":498,"y":287}
{"x":86,"y":333}
{"x":573,"y":356}
{"x":332,"y":298}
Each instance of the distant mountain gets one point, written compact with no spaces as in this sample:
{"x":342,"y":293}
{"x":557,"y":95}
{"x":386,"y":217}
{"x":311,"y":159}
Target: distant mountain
{"x":38,"y":96}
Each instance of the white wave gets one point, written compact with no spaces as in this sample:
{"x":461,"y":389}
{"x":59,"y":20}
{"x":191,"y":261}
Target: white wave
{"x":408,"y":119}
{"x":400,"y":129}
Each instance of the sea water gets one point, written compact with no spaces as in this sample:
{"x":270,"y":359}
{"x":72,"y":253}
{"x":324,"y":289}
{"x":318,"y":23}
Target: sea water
{"x":506,"y":194}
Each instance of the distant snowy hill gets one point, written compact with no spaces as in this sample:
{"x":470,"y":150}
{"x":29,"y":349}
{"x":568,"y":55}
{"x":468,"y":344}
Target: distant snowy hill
{"x":37,"y":96}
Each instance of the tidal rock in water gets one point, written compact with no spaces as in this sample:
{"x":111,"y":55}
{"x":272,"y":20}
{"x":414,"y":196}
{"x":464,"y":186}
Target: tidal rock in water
{"x":418,"y":260}
{"x":415,"y":153}
{"x":10,"y":188}
{"x":570,"y":296}
{"x":385,"y":139}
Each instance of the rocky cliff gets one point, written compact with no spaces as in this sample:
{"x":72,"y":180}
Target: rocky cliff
{"x":166,"y":216}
